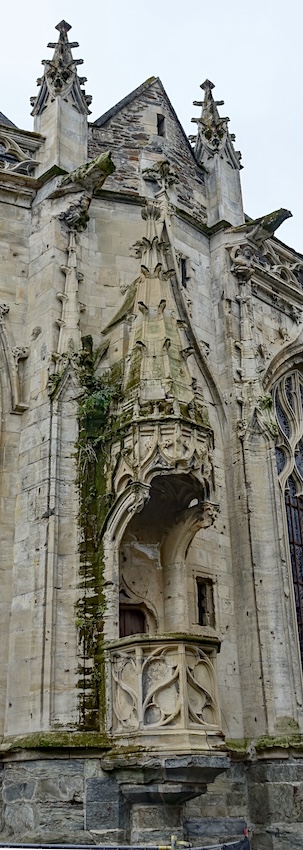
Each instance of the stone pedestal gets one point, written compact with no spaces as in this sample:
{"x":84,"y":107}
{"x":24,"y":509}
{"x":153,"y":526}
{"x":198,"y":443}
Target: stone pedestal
{"x":156,"y":790}
{"x":275,"y":794}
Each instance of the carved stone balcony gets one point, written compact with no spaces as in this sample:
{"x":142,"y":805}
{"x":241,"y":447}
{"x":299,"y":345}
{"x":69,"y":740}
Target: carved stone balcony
{"x":163,"y":692}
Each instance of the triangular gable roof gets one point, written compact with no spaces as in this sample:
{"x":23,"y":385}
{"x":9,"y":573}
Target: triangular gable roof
{"x":132,"y":96}
{"x":4,"y":120}
{"x":124,"y":102}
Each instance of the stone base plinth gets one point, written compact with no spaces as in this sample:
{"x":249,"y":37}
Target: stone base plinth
{"x":56,"y":797}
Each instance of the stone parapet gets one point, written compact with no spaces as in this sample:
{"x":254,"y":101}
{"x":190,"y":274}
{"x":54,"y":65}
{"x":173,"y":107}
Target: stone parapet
{"x":164,"y":690}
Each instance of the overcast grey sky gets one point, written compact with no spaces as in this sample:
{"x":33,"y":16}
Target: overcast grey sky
{"x":252,"y":51}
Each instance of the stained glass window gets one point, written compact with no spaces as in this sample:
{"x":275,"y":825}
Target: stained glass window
{"x":288,"y":397}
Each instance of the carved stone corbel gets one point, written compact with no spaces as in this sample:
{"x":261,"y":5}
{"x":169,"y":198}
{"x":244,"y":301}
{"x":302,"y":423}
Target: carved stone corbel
{"x":13,"y":355}
{"x":264,"y":414}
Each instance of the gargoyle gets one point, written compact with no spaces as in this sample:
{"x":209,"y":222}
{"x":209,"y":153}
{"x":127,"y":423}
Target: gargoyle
{"x":260,"y":229}
{"x":87,"y":177}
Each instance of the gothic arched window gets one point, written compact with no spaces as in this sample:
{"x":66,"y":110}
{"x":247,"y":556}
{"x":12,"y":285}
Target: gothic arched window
{"x":288,"y":400}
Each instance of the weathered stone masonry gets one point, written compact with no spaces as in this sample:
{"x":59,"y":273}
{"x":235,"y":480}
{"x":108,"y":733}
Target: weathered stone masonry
{"x":151,"y":481}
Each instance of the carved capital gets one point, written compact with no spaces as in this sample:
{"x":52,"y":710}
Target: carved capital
{"x":295,"y":314}
{"x":210,"y":512}
{"x":141,"y":494}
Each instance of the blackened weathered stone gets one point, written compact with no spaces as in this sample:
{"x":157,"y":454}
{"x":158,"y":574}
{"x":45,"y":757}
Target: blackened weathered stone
{"x":214,"y":827}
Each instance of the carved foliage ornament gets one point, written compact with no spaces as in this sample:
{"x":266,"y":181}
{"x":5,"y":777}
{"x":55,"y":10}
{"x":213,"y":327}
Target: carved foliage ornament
{"x":60,"y":75}
{"x":245,"y":258}
{"x":161,"y":173}
{"x":213,"y":136}
{"x":162,"y":446}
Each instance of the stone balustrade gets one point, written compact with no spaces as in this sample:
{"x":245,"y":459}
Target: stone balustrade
{"x":163,"y":685}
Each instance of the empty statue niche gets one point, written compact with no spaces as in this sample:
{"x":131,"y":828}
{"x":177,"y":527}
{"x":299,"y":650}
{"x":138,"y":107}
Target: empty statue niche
{"x":153,"y":595}
{"x":205,"y":602}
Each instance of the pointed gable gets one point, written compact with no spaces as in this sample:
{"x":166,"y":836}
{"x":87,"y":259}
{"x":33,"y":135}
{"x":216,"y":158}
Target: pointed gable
{"x":141,"y":130}
{"x":150,"y":83}
{"x":4,"y":121}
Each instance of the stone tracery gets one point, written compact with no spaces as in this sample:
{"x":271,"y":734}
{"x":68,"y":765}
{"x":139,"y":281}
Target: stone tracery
{"x":288,"y":400}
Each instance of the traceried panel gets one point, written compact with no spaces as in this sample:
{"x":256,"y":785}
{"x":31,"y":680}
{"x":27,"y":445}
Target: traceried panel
{"x":289,"y":412}
{"x":162,"y":685}
{"x":294,"y":513}
{"x":288,"y":397}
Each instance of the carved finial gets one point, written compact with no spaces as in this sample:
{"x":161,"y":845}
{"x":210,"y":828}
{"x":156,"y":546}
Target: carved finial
{"x":63,"y":27}
{"x":60,"y":77}
{"x":207,"y":85}
{"x":213,"y":136}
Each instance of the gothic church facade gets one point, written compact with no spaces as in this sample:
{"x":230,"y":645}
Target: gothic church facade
{"x":151,"y":483}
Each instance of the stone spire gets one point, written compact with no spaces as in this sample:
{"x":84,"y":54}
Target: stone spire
{"x":213,"y":135}
{"x":60,"y":78}
{"x":214,"y":150}
{"x":60,"y":109}
{"x":157,"y":365}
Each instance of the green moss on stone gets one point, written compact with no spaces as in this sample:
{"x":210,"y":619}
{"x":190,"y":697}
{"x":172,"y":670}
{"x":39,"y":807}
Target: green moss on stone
{"x":286,"y":725}
{"x":270,"y":742}
{"x":238,"y":746}
{"x":55,"y":740}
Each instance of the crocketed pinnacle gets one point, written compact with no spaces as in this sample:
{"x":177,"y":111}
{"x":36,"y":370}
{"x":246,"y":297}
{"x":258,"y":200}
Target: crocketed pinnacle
{"x":213,"y":136}
{"x":155,"y":366}
{"x":60,"y":78}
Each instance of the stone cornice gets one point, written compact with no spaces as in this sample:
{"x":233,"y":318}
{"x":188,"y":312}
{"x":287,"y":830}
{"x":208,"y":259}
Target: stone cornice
{"x":54,"y":740}
{"x":266,"y":747}
{"x":268,"y":284}
{"x":275,"y":272}
{"x":28,"y":138}
{"x":19,"y":189}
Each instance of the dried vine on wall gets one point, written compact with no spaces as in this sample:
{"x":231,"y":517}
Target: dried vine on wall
{"x":95,"y":430}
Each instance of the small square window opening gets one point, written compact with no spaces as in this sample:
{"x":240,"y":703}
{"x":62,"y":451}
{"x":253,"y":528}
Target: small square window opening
{"x":183,"y":271}
{"x":160,"y":125}
{"x":206,"y":614}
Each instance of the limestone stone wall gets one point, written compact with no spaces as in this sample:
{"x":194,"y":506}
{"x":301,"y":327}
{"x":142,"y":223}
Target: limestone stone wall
{"x":15,"y":223}
{"x":155,"y":276}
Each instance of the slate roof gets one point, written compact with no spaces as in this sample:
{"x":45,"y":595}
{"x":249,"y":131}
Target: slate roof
{"x":124,"y":102}
{"x":6,"y":121}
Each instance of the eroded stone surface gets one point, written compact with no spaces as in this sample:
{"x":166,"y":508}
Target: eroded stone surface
{"x":151,"y":360}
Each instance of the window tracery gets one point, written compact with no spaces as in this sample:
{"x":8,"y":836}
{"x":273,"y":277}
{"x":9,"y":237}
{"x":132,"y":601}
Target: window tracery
{"x":288,"y":399}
